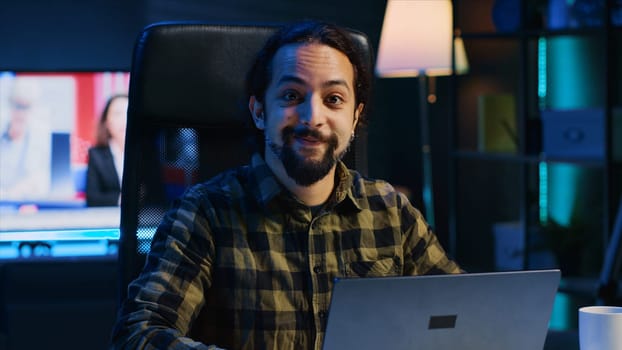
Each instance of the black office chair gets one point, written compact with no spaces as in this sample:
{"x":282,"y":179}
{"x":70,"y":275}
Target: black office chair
{"x":188,"y":120}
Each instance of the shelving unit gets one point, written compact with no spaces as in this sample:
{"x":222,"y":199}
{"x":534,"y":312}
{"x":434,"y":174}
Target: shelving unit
{"x":533,"y":203}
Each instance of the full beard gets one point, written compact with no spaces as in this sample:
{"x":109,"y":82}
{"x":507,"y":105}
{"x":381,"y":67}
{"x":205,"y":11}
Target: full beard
{"x":306,"y":172}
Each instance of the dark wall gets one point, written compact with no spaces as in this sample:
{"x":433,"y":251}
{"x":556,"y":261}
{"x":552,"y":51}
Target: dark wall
{"x":67,"y":35}
{"x":60,"y":303}
{"x":99,"y":34}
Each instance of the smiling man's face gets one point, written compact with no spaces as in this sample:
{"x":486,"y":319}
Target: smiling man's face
{"x":309,"y":113}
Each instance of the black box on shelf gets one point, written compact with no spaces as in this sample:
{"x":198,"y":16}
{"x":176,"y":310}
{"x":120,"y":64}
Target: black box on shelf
{"x":580,"y":134}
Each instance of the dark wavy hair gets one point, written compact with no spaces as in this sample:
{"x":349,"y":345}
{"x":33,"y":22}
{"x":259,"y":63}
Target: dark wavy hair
{"x":102,"y":137}
{"x":311,"y":31}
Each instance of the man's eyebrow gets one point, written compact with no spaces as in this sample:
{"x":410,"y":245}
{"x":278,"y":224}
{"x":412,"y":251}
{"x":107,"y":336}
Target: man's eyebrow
{"x":290,"y":79}
{"x":298,"y":80}
{"x":337,"y":82}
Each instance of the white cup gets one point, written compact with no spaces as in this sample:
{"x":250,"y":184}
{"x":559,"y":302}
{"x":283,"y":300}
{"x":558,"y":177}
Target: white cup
{"x":600,"y":328}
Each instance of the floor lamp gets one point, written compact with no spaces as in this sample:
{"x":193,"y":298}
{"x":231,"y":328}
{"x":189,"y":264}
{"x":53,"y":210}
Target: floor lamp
{"x":416,"y":41}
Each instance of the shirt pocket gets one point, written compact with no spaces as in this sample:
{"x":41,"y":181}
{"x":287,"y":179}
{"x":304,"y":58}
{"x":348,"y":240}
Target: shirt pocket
{"x":383,"y":267}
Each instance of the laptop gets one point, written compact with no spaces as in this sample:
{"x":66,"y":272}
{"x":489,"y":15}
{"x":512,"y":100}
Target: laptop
{"x":476,"y":311}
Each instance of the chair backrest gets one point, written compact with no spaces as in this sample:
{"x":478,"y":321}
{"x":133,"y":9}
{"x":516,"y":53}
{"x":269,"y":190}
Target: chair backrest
{"x":188,"y":120}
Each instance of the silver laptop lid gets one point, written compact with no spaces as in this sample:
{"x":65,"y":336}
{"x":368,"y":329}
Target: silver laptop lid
{"x":477,"y":311}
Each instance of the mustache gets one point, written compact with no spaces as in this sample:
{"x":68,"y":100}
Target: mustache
{"x":290,"y":132}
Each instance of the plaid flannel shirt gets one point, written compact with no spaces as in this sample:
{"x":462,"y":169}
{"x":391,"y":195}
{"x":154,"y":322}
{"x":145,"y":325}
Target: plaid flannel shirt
{"x":239,"y":263}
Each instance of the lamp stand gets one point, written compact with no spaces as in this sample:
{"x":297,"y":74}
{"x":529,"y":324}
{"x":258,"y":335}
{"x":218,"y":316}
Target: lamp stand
{"x":426,"y":161}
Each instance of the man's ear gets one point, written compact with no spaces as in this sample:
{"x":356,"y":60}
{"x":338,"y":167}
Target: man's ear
{"x":357,"y":114}
{"x":257,"y":112}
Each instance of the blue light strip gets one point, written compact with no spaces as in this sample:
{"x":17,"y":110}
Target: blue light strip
{"x":60,"y":235}
{"x":543,"y":198}
{"x":543,"y":202}
{"x":542,"y":73}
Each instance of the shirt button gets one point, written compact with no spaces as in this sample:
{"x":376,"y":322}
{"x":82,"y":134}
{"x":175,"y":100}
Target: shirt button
{"x":317,"y":269}
{"x":322,"y":314}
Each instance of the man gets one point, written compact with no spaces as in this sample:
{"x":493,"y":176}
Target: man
{"x":25,"y":144}
{"x":247,"y":259}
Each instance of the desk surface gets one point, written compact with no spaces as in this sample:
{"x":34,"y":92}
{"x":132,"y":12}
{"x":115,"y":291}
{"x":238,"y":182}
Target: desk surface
{"x":562,"y":340}
{"x":60,"y":219}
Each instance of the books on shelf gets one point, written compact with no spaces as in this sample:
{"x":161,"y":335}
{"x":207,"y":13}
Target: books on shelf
{"x":497,"y":123}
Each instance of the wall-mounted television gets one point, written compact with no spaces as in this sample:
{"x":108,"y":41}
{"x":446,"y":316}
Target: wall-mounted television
{"x":43,"y":177}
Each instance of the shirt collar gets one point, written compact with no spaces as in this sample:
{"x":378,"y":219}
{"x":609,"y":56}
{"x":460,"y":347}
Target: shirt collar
{"x":267,"y":187}
{"x":265,"y":184}
{"x":345,"y":191}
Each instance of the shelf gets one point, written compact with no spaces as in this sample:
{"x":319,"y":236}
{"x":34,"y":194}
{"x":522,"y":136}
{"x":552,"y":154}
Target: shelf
{"x":573,"y":69}
{"x":505,"y":157}
{"x":584,"y":286}
{"x":580,"y":286}
{"x":536,"y":33}
{"x":509,"y":157}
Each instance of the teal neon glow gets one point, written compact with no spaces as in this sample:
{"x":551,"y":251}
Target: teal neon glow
{"x":574,"y":79}
{"x":542,"y":73}
{"x":563,"y":180}
{"x":574,"y":69}
{"x":543,"y":198}
{"x":561,"y":315}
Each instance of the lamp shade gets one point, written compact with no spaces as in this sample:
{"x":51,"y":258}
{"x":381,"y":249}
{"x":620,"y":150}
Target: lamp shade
{"x":416,"y":38}
{"x":461,"y":60}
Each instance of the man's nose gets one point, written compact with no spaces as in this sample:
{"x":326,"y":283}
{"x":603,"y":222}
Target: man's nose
{"x":312,"y":112}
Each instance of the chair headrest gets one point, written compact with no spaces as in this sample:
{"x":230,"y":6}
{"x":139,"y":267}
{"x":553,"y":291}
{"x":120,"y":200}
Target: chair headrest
{"x":187,"y":73}
{"x":194,"y":73}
